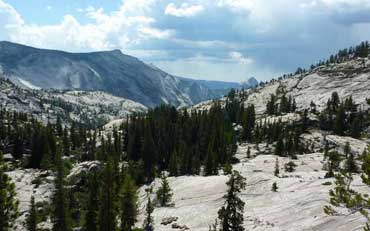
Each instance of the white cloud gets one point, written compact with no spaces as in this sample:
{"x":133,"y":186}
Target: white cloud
{"x":346,"y":5}
{"x":214,"y":68}
{"x":49,"y":8}
{"x":237,"y":56}
{"x":337,"y":5}
{"x":155,"y":33}
{"x":185,"y":10}
{"x":128,"y":26}
{"x":8,"y":14}
{"x":277,"y":35}
{"x":238,"y":5}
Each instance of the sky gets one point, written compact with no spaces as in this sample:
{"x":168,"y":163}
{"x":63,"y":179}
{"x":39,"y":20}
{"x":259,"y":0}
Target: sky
{"x":229,"y":40}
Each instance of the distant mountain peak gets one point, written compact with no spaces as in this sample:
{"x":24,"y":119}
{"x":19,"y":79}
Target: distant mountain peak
{"x":110,"y":71}
{"x":249,"y":83}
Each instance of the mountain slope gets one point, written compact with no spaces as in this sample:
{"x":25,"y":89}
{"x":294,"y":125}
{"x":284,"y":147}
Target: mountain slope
{"x":298,"y":204}
{"x":109,"y":71}
{"x":348,"y":78}
{"x":91,"y":108}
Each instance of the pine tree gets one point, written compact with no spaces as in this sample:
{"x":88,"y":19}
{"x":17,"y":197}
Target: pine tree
{"x":128,"y":204}
{"x":334,"y":160}
{"x":350,"y":165}
{"x":32,"y":217}
{"x":149,"y":155}
{"x":228,"y":168}
{"x":355,"y":128}
{"x":91,"y":217}
{"x":366,"y":180}
{"x":211,"y":165}
{"x":8,"y":201}
{"x":339,"y":123}
{"x":60,"y":213}
{"x":279,"y":148}
{"x":231,"y":214}
{"x":277,"y":171}
{"x":249,"y":152}
{"x":107,"y":200}
{"x":290,"y":166}
{"x":274,"y":187}
{"x":271,"y":107}
{"x":148,"y":222}
{"x":164,"y":194}
{"x":174,"y":165}
{"x":342,"y":195}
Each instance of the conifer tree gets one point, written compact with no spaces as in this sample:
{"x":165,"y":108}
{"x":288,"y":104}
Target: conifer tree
{"x":128,"y":204}
{"x":231,"y":214}
{"x":343,"y":195}
{"x":279,"y":148}
{"x":174,"y":165}
{"x":350,"y":164}
{"x":91,"y":217}
{"x":107,"y":200}
{"x":164,"y":194}
{"x":274,"y":187}
{"x":228,"y":168}
{"x":339,"y":123}
{"x":290,"y":166}
{"x":249,"y":152}
{"x":60,"y":213}
{"x":8,"y":201}
{"x":334,"y":160}
{"x":211,"y":164}
{"x":271,"y":107}
{"x":276,"y":171}
{"x":149,"y":155}
{"x":366,"y":180}
{"x":148,"y":222}
{"x":32,"y":217}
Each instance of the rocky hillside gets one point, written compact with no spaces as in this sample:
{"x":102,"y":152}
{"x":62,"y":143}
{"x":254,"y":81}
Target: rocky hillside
{"x":350,"y":78}
{"x":296,"y":206}
{"x":91,"y":108}
{"x":110,"y":71}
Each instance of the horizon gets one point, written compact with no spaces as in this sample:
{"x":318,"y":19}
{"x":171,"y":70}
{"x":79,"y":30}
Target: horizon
{"x":223,"y":40}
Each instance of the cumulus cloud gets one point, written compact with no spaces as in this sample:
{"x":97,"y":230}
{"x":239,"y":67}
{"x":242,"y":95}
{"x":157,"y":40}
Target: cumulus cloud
{"x":238,"y":5}
{"x":127,"y":26}
{"x":9,"y":19}
{"x":185,"y":10}
{"x":237,"y":56}
{"x":345,"y":5}
{"x":208,"y":32}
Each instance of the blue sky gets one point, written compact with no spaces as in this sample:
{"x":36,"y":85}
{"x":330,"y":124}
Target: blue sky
{"x":227,"y":40}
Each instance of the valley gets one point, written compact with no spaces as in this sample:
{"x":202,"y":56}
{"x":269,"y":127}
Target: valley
{"x":93,"y":158}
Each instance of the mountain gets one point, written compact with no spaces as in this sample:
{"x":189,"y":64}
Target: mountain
{"x":222,"y":88}
{"x":348,"y":78}
{"x":249,"y":83}
{"x":109,"y":71}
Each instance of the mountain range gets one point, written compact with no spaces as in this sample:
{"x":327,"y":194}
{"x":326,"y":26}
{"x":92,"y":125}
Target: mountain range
{"x":109,"y":71}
